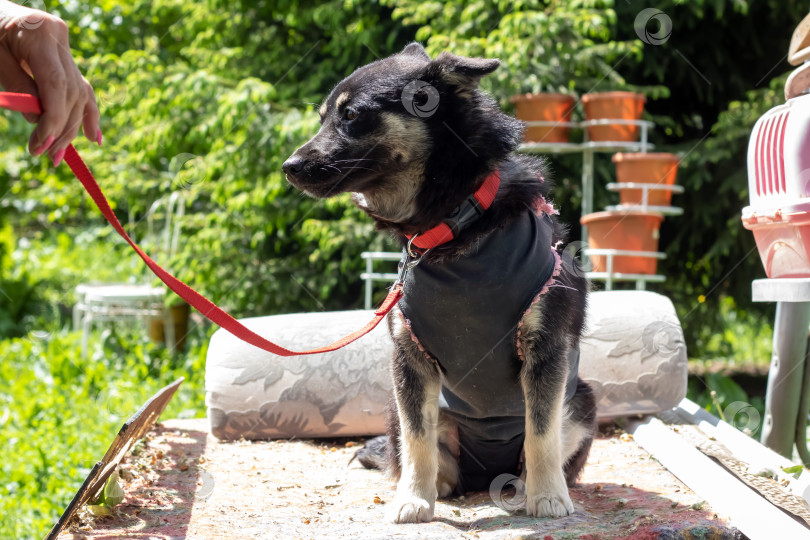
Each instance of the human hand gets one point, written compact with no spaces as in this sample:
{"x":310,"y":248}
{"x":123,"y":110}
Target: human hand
{"x":35,"y":59}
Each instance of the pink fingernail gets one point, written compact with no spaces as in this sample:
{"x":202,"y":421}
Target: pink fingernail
{"x":98,"y":139}
{"x":48,"y":143}
{"x":57,"y":157}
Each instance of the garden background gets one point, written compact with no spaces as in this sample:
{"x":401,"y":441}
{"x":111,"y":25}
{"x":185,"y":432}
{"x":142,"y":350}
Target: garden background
{"x":209,"y":98}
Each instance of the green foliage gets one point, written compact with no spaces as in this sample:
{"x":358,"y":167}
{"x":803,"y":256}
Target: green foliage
{"x":307,"y":45}
{"x":724,"y":263}
{"x":744,"y":337}
{"x":202,"y":99}
{"x":18,"y":304}
{"x":20,"y":299}
{"x":723,"y":70}
{"x":58,"y":261}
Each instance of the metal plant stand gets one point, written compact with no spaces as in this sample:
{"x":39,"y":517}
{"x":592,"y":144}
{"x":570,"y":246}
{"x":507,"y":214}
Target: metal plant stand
{"x":786,"y":400}
{"x":370,"y":276}
{"x":588,"y":149}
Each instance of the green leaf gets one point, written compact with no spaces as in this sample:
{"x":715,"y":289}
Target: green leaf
{"x":113,"y":494}
{"x":99,"y":510}
{"x":794,"y":471}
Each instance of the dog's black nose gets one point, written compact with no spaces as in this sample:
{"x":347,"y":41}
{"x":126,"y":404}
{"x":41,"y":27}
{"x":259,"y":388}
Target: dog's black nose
{"x":293,"y":166}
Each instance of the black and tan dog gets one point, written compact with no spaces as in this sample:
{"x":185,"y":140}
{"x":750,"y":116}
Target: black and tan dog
{"x":487,"y":334}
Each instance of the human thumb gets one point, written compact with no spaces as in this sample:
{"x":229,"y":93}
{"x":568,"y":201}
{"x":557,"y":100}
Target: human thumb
{"x":14,"y":79}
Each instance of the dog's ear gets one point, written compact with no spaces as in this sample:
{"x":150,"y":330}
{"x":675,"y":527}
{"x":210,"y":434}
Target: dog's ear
{"x":462,"y":71}
{"x":416,"y":49}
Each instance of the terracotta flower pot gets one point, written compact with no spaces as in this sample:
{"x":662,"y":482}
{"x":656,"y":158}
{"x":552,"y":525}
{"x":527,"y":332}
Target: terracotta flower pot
{"x":654,"y":168}
{"x":546,"y":107}
{"x":632,"y":231}
{"x":181,"y":314}
{"x":614,"y":106}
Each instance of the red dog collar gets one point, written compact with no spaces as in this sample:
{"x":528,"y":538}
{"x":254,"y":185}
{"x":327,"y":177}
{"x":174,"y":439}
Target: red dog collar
{"x":473,"y":207}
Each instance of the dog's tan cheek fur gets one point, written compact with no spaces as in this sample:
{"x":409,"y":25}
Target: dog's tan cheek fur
{"x":405,"y":135}
{"x":394,"y":196}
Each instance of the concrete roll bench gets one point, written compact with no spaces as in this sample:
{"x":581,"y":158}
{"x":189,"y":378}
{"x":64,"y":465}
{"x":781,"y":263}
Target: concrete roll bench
{"x":632,"y":352}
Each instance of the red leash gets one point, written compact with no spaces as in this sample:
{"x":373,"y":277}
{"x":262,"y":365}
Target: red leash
{"x":26,"y":103}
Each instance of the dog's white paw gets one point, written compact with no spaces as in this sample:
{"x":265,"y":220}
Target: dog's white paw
{"x":410,"y":510}
{"x":549,"y":505}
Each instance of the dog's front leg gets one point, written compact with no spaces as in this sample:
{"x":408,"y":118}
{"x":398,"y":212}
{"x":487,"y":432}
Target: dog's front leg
{"x":546,"y":490}
{"x":543,"y":378}
{"x":417,"y":384}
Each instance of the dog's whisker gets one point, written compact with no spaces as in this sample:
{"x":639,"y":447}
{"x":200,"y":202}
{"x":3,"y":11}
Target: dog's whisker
{"x":354,"y":160}
{"x":358,"y":169}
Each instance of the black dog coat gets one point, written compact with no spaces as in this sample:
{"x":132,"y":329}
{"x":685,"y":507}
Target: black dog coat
{"x":465,"y":314}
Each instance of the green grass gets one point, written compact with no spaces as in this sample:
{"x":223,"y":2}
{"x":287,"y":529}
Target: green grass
{"x":742,"y":348}
{"x":59,"y":413}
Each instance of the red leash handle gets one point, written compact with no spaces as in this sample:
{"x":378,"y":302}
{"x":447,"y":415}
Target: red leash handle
{"x":26,"y":103}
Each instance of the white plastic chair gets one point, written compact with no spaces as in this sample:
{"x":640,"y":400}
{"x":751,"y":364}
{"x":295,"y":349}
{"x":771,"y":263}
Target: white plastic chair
{"x":101,"y":303}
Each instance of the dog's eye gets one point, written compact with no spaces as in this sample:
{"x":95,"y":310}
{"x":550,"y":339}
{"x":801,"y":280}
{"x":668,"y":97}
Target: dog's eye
{"x":351,"y":114}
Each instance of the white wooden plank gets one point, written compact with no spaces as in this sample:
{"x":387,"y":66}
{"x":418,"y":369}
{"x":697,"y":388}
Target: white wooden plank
{"x":756,"y":517}
{"x":746,"y":449}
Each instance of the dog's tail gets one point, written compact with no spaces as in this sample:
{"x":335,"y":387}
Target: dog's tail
{"x":373,"y":454}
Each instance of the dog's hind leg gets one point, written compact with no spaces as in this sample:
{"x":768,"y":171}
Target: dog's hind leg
{"x":579,"y":428}
{"x":417,"y":383}
{"x":448,"y":475}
